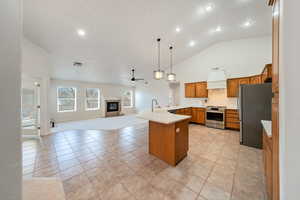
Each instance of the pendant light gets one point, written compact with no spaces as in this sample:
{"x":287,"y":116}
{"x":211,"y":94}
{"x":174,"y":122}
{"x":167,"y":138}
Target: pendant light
{"x":158,"y":74}
{"x":171,"y":76}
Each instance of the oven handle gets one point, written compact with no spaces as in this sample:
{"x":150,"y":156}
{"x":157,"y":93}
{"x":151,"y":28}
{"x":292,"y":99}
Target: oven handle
{"x":212,"y":111}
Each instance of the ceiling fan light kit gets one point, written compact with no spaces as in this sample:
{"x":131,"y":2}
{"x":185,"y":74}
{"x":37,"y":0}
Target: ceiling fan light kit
{"x":134,"y":79}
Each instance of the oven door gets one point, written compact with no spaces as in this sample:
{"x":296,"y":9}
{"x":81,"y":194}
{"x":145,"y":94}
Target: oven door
{"x":214,"y":116}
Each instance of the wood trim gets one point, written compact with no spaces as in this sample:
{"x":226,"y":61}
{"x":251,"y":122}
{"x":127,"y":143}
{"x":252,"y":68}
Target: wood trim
{"x":275,"y":100}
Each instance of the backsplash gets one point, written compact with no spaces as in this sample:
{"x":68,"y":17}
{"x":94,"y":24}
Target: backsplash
{"x":218,"y":97}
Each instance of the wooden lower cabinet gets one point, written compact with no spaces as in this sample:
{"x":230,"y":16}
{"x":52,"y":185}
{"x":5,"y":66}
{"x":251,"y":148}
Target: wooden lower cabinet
{"x":232,"y":119}
{"x":198,"y":115}
{"x":184,"y":111}
{"x":268,"y":164}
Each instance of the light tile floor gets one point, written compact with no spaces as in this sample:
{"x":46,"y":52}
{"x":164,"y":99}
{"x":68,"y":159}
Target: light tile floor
{"x":111,"y":165}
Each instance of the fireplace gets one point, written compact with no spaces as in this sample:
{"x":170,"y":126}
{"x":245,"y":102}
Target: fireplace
{"x":113,"y":108}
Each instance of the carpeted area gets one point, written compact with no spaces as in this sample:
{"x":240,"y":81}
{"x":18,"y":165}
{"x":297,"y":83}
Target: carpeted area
{"x":109,"y":123}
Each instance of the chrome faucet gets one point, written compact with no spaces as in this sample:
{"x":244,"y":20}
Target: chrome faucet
{"x":156,"y":103}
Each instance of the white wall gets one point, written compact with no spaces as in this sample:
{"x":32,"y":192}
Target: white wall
{"x":10,"y":83}
{"x":289,"y":111}
{"x":238,"y":57}
{"x":107,"y":91}
{"x":36,"y":66}
{"x":144,"y":93}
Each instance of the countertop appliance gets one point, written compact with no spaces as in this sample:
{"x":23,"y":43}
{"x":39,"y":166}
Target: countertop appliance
{"x":215,"y":117}
{"x":255,"y":104}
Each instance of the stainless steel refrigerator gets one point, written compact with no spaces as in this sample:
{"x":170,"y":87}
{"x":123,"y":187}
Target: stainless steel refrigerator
{"x":254,"y":104}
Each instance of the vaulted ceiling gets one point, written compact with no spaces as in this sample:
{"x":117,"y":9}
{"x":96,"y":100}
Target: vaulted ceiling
{"x":121,"y":34}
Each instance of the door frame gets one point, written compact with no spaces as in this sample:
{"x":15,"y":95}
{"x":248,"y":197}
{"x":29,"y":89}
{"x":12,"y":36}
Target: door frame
{"x":275,"y":100}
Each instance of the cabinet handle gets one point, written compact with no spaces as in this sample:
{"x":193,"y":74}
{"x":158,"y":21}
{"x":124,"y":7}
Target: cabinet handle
{"x":177,"y":130}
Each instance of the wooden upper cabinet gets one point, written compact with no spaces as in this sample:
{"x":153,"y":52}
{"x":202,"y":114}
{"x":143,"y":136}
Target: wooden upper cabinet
{"x":255,"y":79}
{"x":266,"y":75}
{"x":201,"y":90}
{"x":232,"y":87}
{"x":190,"y":90}
{"x":196,"y":90}
{"x":244,"y":81}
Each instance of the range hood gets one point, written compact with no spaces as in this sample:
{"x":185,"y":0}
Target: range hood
{"x":216,"y":79}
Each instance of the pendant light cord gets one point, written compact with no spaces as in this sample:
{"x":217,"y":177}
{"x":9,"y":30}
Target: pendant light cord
{"x":158,"y":45}
{"x":171,"y":59}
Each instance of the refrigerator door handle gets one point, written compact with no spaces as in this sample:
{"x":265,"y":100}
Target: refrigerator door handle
{"x":241,"y":133}
{"x":240,"y":114}
{"x":239,"y":104}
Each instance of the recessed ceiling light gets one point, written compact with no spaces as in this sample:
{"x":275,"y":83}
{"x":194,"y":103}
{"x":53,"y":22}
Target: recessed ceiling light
{"x":192,"y":43}
{"x":178,"y":29}
{"x":248,"y":23}
{"x":209,"y":7}
{"x":205,"y":9}
{"x":81,"y":32}
{"x":218,"y":29}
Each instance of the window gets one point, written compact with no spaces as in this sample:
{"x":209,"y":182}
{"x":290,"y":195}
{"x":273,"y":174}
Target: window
{"x":127,"y":99}
{"x":66,"y":99}
{"x":92,"y":99}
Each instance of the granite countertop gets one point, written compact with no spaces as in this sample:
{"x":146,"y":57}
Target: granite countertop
{"x":267,"y":125}
{"x":163,"y":117}
{"x":188,"y":106}
{"x":168,"y":108}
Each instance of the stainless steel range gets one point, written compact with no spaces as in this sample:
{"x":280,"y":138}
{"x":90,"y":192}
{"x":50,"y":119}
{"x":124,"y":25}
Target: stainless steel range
{"x":215,"y":116}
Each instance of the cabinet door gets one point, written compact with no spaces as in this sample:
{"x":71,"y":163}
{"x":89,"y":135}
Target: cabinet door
{"x":255,"y":79}
{"x":232,"y":87}
{"x":201,"y":116}
{"x":243,"y":81}
{"x":190,"y":90}
{"x":198,"y":115}
{"x":181,"y":140}
{"x":201,"y":90}
{"x":194,"y":115}
{"x":188,"y":111}
{"x":179,"y":112}
{"x":264,"y":75}
{"x":267,"y":73}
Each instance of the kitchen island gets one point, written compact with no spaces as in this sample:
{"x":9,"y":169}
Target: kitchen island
{"x":168,"y":136}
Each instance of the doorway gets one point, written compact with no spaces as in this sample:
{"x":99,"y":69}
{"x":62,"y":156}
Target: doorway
{"x":30,"y":109}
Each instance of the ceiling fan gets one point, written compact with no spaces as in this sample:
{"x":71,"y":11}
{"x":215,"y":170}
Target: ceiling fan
{"x":133,"y":79}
